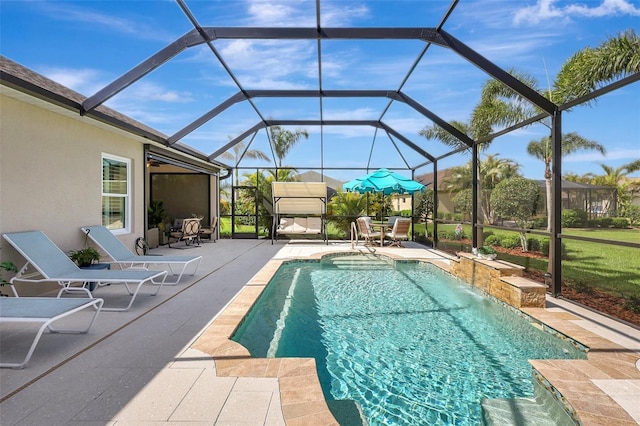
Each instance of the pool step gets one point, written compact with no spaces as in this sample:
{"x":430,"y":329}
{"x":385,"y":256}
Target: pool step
{"x":522,"y":412}
{"x":359,"y":262}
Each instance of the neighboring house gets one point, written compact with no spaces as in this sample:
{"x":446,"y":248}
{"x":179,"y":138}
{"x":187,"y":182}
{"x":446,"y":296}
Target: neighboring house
{"x":60,"y":170}
{"x":445,"y":198}
{"x":332,"y":184}
{"x":636,"y":196}
{"x":401,"y":202}
{"x":597,"y":201}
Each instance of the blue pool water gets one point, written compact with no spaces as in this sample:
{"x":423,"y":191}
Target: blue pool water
{"x":408,"y":342}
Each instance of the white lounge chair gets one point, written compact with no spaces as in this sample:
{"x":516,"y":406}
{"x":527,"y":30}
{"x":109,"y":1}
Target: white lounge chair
{"x":125,"y":258}
{"x":45,"y":310}
{"x":54,"y":266}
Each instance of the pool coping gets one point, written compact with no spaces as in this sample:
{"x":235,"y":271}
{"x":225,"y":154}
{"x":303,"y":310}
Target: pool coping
{"x":301,"y":395}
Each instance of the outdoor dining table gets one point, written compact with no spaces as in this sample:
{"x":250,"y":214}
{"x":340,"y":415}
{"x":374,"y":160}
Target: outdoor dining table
{"x":383,"y":230}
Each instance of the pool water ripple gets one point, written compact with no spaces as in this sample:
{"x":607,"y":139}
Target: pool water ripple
{"x":409,"y":343}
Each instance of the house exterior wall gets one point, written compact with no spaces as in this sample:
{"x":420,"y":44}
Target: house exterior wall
{"x":401,"y":202}
{"x":51,"y":173}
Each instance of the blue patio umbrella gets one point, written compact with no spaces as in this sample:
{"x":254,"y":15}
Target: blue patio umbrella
{"x":383,"y":181}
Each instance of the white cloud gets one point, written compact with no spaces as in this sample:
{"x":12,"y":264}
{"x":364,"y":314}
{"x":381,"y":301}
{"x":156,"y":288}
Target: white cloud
{"x":302,"y":13}
{"x":84,"y":81}
{"x":273,"y":13}
{"x":352,"y":114}
{"x":98,"y":20}
{"x":546,"y":9}
{"x":270,"y":60}
{"x":145,"y":91}
{"x":618,"y":154}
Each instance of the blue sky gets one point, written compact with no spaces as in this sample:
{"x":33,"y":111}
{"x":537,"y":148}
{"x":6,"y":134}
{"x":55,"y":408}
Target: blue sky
{"x":85,"y":45}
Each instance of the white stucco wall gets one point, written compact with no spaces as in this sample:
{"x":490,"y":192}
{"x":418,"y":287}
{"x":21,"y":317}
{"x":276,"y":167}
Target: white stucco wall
{"x":51,"y":173}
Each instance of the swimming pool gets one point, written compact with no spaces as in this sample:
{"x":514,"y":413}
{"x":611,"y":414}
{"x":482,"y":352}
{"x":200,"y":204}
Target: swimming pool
{"x":408,"y":342}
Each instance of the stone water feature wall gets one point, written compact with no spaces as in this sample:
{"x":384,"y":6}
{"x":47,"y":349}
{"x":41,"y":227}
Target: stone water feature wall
{"x":503,"y":280}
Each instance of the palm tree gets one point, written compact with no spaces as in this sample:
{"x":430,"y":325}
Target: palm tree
{"x":590,"y":68}
{"x":617,"y":178}
{"x":345,"y":206}
{"x":542,"y":149}
{"x":492,"y":171}
{"x":438,"y":133}
{"x":240,"y":152}
{"x":282,"y":175}
{"x":283,"y":140}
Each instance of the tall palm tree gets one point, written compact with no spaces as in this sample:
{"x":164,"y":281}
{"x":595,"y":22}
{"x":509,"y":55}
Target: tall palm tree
{"x":240,"y":152}
{"x":283,"y":140}
{"x":542,"y":149}
{"x":438,"y":133}
{"x":590,"y":68}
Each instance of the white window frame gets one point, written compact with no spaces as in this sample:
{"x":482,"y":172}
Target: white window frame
{"x":127,"y":202}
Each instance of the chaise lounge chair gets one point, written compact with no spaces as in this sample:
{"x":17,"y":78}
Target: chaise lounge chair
{"x":45,"y":310}
{"x":126,"y":259}
{"x":54,"y":266}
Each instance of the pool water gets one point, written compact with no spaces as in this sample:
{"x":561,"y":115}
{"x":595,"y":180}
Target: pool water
{"x":408,"y":342}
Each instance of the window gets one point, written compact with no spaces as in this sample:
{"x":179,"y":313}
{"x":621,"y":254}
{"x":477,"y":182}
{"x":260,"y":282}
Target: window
{"x":116,"y":205}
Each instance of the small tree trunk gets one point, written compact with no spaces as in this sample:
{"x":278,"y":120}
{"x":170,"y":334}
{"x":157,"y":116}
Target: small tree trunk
{"x":523,"y":242}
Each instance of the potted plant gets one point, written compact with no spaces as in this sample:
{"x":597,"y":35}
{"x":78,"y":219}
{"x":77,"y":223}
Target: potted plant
{"x":8,"y":267}
{"x":85,"y":256}
{"x":487,"y":252}
{"x":156,"y":215}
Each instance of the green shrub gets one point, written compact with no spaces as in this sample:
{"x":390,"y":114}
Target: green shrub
{"x":619,"y":222}
{"x":539,"y":223}
{"x":510,"y":241}
{"x":603,"y":222}
{"x":487,"y":234}
{"x":492,"y":240}
{"x":445,"y":235}
{"x":533,"y":244}
{"x":633,"y":214}
{"x":632,"y":303}
{"x":574,"y":218}
{"x":486,"y":250}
